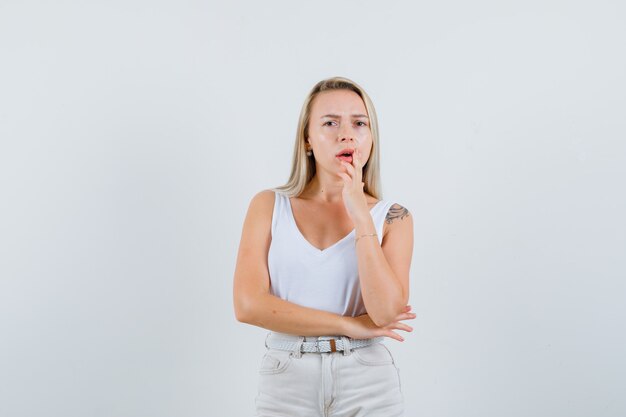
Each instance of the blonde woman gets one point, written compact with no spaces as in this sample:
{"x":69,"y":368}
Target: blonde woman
{"x":323,"y":264}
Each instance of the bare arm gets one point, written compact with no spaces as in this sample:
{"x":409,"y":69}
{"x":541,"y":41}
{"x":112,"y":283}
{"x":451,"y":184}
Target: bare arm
{"x":274,"y":313}
{"x":254,"y":304}
{"x":384,"y":270}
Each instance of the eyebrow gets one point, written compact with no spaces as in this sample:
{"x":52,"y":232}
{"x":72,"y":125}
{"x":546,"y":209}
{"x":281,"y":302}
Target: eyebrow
{"x":336,"y":116}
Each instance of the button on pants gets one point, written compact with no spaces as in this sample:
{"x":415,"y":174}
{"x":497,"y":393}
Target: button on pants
{"x":356,"y":383}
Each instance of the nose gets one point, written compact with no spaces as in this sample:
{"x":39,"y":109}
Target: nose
{"x":347,"y":134}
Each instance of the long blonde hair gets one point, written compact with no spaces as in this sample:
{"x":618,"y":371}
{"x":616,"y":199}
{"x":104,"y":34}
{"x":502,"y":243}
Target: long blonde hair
{"x":303,"y":166}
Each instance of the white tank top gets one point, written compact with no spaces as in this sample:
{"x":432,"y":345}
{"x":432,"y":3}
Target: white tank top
{"x":322,"y":279}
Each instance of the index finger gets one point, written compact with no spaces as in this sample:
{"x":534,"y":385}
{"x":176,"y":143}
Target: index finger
{"x":356,"y":156}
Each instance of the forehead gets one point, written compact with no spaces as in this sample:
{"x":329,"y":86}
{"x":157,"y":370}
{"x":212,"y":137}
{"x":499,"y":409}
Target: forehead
{"x":337,"y":102}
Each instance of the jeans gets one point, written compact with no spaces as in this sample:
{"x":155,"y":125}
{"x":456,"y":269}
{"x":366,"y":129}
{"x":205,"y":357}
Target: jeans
{"x":355,"y":383}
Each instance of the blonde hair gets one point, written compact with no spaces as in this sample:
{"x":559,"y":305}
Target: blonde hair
{"x":303,"y":166}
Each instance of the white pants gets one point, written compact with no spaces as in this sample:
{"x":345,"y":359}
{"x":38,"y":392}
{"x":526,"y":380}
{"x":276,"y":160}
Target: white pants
{"x":356,"y":383}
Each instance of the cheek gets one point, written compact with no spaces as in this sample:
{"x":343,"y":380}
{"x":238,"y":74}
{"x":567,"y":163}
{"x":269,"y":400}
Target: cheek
{"x":369,"y":147}
{"x":366,"y":137}
{"x":317,"y":133}
{"x":324,"y":142}
{"x":365,"y":156}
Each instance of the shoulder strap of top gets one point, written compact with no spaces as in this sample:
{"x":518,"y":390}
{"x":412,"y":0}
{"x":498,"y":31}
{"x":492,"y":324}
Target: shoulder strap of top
{"x":280,"y":201}
{"x":379,"y":215}
{"x":276,"y":212}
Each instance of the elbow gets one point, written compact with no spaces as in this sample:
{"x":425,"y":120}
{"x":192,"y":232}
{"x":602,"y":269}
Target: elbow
{"x":379,"y":322}
{"x":392,"y":310}
{"x":241,"y":316}
{"x":382,"y":320}
{"x":385,"y":318}
{"x":248,"y":304}
{"x":243,"y":310}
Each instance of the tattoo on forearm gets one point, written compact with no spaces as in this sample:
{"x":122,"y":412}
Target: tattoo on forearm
{"x":396,"y":211}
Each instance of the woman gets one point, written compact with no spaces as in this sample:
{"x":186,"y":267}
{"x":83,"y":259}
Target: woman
{"x":323,"y":264}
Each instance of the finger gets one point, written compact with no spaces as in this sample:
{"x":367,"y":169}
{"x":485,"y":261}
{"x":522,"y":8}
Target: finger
{"x":398,"y":325}
{"x":396,"y":336}
{"x":355,"y":157}
{"x":358,"y":166}
{"x":346,"y":178}
{"x":353,"y":173}
{"x":348,"y":167}
{"x":398,"y":321}
{"x":405,"y":316}
{"x":411,"y":317}
{"x":405,"y":327}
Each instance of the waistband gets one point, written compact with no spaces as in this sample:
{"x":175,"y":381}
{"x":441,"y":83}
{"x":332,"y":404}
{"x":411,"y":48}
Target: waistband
{"x":316,"y":344}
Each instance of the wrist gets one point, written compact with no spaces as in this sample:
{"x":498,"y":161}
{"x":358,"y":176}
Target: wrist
{"x":364,"y":225}
{"x":344,"y":323}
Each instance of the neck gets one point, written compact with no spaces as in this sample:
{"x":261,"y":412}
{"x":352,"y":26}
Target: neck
{"x":324,"y":188}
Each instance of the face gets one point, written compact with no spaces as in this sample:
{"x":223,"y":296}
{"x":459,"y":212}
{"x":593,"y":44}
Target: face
{"x":338,"y":121}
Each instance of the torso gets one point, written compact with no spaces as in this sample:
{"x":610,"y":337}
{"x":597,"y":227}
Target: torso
{"x":322,"y":224}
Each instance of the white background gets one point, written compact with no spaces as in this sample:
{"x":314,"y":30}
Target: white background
{"x":134,"y":134}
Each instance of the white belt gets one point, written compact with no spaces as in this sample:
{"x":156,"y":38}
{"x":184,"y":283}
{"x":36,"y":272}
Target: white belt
{"x":321,"y":345}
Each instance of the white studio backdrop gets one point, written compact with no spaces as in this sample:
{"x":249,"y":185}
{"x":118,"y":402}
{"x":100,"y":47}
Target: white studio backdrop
{"x":133,"y":135}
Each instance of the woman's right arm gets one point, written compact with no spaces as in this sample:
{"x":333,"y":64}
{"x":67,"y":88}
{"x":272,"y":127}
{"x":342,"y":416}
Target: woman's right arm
{"x":251,"y":290}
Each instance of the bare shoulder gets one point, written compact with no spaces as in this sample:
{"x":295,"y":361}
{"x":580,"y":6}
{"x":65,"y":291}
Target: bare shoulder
{"x":398,"y":217}
{"x":256,"y":234}
{"x":260,"y":210}
{"x":263,"y":201}
{"x":396,"y":212}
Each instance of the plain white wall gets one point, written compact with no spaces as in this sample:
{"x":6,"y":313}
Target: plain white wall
{"x":134,"y":134}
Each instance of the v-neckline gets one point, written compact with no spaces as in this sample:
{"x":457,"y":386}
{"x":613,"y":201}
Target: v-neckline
{"x":309,"y":244}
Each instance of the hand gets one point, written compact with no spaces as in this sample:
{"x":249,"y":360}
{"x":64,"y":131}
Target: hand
{"x":352,"y":193}
{"x":362,"y":327}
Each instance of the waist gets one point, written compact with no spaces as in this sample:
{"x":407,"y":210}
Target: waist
{"x":316,"y":344}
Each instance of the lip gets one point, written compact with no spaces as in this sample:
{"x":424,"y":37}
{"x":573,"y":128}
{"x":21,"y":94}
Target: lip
{"x":346,"y":150}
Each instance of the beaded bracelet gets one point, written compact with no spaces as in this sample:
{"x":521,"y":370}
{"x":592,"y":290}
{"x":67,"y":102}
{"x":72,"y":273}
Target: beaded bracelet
{"x":369,"y":234}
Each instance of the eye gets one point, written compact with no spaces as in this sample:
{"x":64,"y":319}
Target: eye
{"x":362,"y":123}
{"x":327,"y":123}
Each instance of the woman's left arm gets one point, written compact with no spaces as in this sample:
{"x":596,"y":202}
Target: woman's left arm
{"x":384,"y":269}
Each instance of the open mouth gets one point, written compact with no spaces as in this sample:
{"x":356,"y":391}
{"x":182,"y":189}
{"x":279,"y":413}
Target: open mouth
{"x":345,"y":155}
